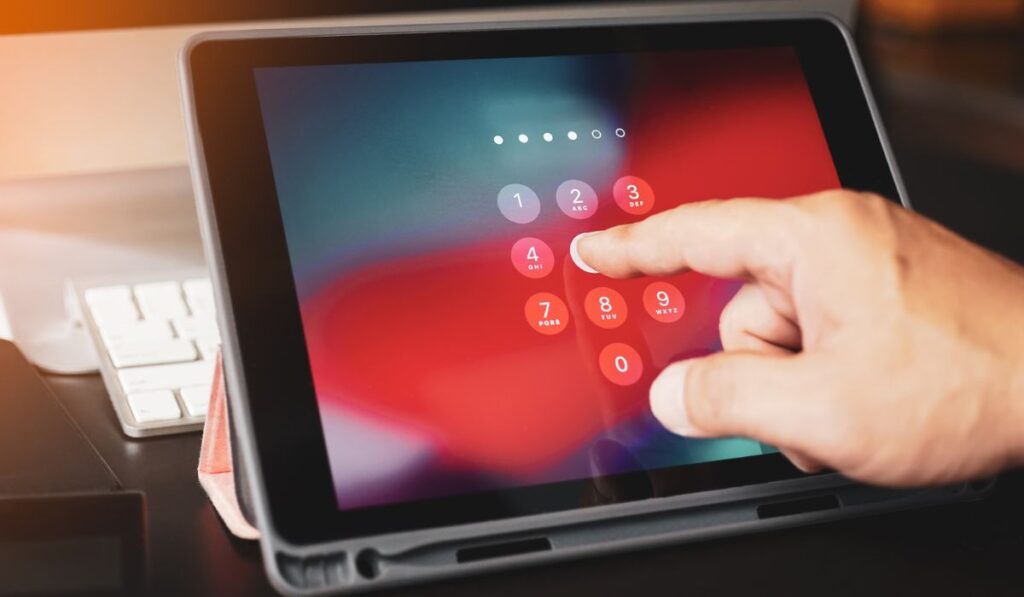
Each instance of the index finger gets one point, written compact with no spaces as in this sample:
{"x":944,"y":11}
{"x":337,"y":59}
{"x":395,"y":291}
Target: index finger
{"x":738,"y":238}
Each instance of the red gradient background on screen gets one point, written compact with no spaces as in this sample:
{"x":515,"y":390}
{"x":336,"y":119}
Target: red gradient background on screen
{"x":437,"y":344}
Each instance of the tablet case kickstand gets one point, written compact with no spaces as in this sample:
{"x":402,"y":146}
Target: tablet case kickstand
{"x":216,"y":468}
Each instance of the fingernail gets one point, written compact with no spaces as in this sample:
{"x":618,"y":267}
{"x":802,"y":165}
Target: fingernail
{"x":668,"y":402}
{"x":574,"y":252}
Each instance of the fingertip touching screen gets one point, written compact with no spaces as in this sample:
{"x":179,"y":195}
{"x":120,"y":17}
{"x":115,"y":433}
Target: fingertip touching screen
{"x":428,"y":209}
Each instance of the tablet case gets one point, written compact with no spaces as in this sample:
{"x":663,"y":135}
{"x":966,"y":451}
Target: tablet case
{"x":216,"y":468}
{"x":396,"y":559}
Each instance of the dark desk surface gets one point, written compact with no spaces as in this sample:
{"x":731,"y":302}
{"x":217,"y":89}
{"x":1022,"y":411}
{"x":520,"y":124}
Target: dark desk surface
{"x":974,"y":549}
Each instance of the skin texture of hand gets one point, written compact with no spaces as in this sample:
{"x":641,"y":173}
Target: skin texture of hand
{"x":867,"y":339}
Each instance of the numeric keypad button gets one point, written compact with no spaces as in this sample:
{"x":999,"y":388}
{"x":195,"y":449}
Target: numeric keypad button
{"x":546,"y":313}
{"x":533,"y":257}
{"x":664,"y":302}
{"x":621,"y":364}
{"x":576,"y":199}
{"x":633,"y":195}
{"x":518,"y":203}
{"x":605,"y":307}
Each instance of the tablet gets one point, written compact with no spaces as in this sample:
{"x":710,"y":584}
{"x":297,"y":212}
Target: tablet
{"x":423,"y":381}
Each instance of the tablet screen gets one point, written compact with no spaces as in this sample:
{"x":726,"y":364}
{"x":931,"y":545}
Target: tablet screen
{"x":428,"y":208}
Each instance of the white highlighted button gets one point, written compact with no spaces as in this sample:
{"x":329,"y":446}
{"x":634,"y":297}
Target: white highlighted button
{"x":574,"y":252}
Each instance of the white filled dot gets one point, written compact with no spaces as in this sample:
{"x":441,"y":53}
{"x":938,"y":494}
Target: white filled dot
{"x":498,"y":139}
{"x":548,"y":137}
{"x":523,"y":138}
{"x":572,"y":135}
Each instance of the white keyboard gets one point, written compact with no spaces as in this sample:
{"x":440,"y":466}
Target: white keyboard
{"x":157,"y":342}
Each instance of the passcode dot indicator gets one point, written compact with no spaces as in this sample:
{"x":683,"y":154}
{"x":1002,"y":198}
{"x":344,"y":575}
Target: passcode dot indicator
{"x":633,"y":195}
{"x":576,"y":199}
{"x":621,"y":364}
{"x":518,"y":203}
{"x":546,"y":313}
{"x":532,"y":257}
{"x":664,"y":302}
{"x":605,"y":307}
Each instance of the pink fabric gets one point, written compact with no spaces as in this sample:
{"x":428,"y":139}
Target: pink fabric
{"x":216,"y":471}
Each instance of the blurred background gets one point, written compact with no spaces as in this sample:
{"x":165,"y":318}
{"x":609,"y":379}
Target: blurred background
{"x":91,"y":86}
{"x":94,"y":180}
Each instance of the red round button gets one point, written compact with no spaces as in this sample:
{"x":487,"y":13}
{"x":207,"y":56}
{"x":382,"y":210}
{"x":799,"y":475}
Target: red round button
{"x":605,"y":307}
{"x":532,"y":257}
{"x":664,"y":302}
{"x":621,"y":364}
{"x":633,"y":195}
{"x":546,"y":313}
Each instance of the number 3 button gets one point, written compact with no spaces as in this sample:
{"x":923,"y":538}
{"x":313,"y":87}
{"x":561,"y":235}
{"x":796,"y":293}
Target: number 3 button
{"x":633,"y":195}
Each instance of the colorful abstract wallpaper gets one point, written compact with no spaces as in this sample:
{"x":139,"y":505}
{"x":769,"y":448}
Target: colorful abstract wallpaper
{"x":428,"y":210}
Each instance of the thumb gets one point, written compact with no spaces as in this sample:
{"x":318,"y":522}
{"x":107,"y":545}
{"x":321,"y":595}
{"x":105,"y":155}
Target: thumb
{"x":769,"y":398}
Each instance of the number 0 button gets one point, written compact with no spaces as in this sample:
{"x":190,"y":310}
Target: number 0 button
{"x":547,"y":313}
{"x":576,"y":199}
{"x":533,"y":257}
{"x":633,"y":195}
{"x":518,"y":203}
{"x":621,"y":364}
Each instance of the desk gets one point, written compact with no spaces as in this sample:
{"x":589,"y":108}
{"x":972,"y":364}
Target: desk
{"x":975,"y":548}
{"x":965,"y":549}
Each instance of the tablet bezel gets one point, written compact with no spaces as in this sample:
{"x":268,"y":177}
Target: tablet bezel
{"x":265,"y":325}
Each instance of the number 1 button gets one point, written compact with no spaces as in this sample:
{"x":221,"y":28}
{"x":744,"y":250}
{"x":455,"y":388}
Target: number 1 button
{"x":518,"y":203}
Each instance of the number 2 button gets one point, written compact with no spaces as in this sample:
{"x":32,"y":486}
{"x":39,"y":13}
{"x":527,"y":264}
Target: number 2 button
{"x":576,"y":199}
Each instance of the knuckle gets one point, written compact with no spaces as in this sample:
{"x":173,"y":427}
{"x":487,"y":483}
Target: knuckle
{"x":729,"y":323}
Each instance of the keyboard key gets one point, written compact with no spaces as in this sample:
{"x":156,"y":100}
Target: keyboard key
{"x":111,"y":304}
{"x":165,"y":377}
{"x":159,"y":405}
{"x":199,"y":295}
{"x":195,"y":327}
{"x":196,"y":399}
{"x":116,"y":332}
{"x":138,"y":353}
{"x":115,"y":315}
{"x":108,"y":295}
{"x":161,"y":300}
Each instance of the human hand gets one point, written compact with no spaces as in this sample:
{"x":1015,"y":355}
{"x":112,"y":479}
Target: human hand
{"x":867,"y":339}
